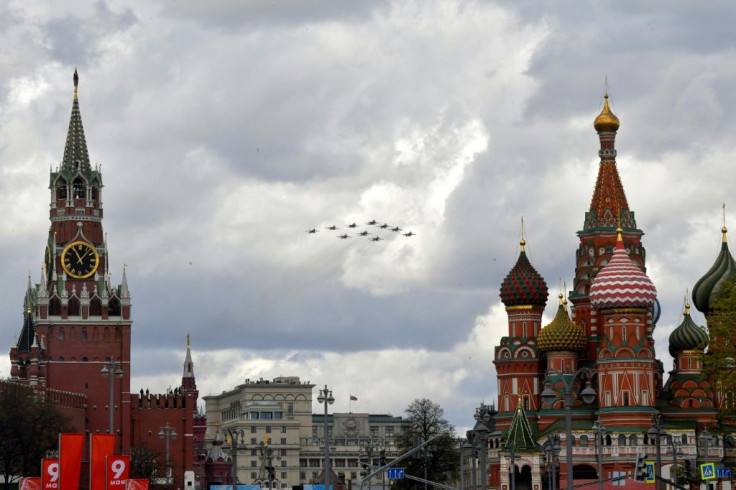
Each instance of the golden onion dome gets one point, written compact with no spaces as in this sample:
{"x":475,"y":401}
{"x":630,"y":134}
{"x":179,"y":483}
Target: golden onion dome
{"x":606,"y":120}
{"x":562,"y":334}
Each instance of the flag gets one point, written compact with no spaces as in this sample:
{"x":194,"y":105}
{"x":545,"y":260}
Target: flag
{"x":101,"y":446}
{"x":353,"y":398}
{"x":71,"y":447}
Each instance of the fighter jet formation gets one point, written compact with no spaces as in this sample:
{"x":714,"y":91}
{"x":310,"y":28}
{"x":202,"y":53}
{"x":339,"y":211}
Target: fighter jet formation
{"x":372,"y":236}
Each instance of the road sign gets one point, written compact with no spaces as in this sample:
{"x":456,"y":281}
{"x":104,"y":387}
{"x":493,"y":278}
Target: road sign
{"x":723,"y":472}
{"x":708,"y":471}
{"x":649,"y":476}
{"x":395,"y":473}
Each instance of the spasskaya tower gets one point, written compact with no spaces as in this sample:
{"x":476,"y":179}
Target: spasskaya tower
{"x":75,"y":320}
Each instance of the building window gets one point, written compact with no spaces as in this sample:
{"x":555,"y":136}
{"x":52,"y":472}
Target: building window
{"x":268,"y":429}
{"x":302,"y":475}
{"x":266,"y":415}
{"x":283,"y":452}
{"x":621,"y":440}
{"x":283,"y":440}
{"x":84,"y":335}
{"x":583,"y":441}
{"x":253,"y":440}
{"x":61,"y":333}
{"x":289,"y":408}
{"x":283,"y":464}
{"x":284,"y":475}
{"x":374,"y":431}
{"x":626,"y":398}
{"x":283,"y":429}
{"x":253,"y":463}
{"x":252,"y":429}
{"x":278,"y":415}
{"x":389,"y":431}
{"x":254,"y":415}
{"x":253,"y":475}
{"x":633,"y":440}
{"x":254,"y":452}
{"x":314,"y":431}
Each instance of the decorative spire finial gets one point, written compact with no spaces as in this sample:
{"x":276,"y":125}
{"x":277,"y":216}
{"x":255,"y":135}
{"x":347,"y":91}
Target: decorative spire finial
{"x":522,"y":242}
{"x":188,"y":344}
{"x":724,"y":230}
{"x":606,"y":120}
{"x":76,"y":83}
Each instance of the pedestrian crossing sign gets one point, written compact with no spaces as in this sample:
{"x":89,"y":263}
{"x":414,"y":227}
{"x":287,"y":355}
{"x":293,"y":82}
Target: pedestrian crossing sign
{"x":708,"y":471}
{"x":649,"y":476}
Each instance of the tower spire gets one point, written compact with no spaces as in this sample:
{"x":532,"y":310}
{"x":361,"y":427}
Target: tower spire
{"x":76,"y":156}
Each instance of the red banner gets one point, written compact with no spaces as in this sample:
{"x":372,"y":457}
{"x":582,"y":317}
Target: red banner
{"x":29,"y":483}
{"x":100,"y":447}
{"x":137,"y":484}
{"x":71,"y":447}
{"x":49,"y":474}
{"x":118,"y":469}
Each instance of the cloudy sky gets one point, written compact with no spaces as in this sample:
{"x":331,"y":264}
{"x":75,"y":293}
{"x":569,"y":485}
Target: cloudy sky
{"x":227,"y":129}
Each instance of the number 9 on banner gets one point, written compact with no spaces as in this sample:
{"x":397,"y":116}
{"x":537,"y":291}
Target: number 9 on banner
{"x":49,"y":474}
{"x":118,"y":468}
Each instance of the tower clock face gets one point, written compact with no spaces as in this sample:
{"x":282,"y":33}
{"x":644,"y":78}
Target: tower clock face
{"x":79,"y":260}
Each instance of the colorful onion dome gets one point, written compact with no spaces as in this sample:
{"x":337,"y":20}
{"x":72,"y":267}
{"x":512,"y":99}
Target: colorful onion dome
{"x":621,"y":283}
{"x":562,"y":333}
{"x":706,"y":290}
{"x":523,"y":285}
{"x":606,"y":120}
{"x":688,"y":335}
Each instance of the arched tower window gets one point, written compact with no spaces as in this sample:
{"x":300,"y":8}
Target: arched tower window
{"x":684,"y":439}
{"x":113,"y":307}
{"x":79,"y":188}
{"x":55,"y":306}
{"x":83,"y":336}
{"x":61,"y":189}
{"x":95,"y":307}
{"x":61,"y":333}
{"x":95,"y":193}
{"x":74,"y":306}
{"x":633,"y":440}
{"x":621,"y":440}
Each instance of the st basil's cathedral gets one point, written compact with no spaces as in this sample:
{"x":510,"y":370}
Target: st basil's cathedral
{"x":598,"y":355}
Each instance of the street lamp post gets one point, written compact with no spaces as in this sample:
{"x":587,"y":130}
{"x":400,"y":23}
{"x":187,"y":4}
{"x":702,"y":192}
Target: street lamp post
{"x":482,"y":417}
{"x":167,"y":432}
{"x":588,"y":394}
{"x":551,"y":448}
{"x":657,"y":431}
{"x":112,"y":370}
{"x":235,"y":436}
{"x":599,"y":430}
{"x":511,"y":455}
{"x":675,"y":451}
{"x":325,"y":398}
{"x":705,"y":440}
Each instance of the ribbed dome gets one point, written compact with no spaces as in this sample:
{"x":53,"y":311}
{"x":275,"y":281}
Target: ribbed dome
{"x":606,"y":120}
{"x":621,"y":283}
{"x":687,"y":336}
{"x":523,"y":285}
{"x":705,"y":291}
{"x":562,"y":333}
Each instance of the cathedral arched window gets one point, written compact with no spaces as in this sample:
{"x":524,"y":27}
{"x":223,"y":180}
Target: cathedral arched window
{"x":584,"y":442}
{"x":633,"y":440}
{"x":621,"y":440}
{"x":79,"y":188}
{"x":684,"y":439}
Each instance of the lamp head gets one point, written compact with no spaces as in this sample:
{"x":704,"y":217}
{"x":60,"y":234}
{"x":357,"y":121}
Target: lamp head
{"x":321,"y":398}
{"x":548,"y":395}
{"x":588,"y":393}
{"x":104,"y":371}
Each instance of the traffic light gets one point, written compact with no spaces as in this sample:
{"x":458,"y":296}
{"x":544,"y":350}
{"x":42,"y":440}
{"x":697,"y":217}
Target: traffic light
{"x":689,"y":465}
{"x":640,"y":470}
{"x":271,"y":472}
{"x":383,"y":457}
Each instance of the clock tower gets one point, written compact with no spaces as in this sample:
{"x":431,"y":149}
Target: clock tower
{"x":76,"y":321}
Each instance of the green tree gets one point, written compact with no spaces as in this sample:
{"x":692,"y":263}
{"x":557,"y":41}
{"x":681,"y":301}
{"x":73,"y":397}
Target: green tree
{"x":145,"y":463}
{"x":719,"y":363}
{"x":29,"y":427}
{"x":440,"y":459}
